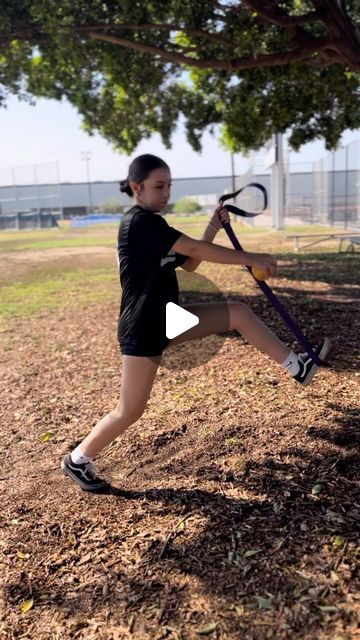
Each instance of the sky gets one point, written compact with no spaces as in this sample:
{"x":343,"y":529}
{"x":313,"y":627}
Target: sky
{"x":51,"y":131}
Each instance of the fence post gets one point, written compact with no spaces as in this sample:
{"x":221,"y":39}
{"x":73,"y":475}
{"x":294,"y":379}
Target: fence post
{"x":346,"y":184}
{"x":333,"y":189}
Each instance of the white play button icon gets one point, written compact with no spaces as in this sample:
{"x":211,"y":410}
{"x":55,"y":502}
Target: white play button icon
{"x":178,"y":320}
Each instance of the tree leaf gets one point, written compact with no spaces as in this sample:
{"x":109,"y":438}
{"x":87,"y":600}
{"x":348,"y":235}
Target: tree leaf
{"x":45,"y":437}
{"x":337,"y":541}
{"x":27,"y":605}
{"x":317,"y":488}
{"x":276,"y":507}
{"x":239,"y":610}
{"x":335,"y":517}
{"x":210,"y":628}
{"x":263,"y":603}
{"x":251,"y":552}
{"x":85,"y":559}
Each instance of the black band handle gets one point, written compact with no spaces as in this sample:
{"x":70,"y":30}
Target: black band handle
{"x":241,"y":212}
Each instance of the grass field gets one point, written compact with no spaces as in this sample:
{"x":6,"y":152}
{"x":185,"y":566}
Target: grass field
{"x":49,"y":279}
{"x":235,"y":505}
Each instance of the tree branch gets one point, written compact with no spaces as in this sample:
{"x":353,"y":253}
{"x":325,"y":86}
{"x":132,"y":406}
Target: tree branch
{"x":236,"y":64}
{"x":340,"y":46}
{"x":277,"y":16}
{"x":171,"y":56}
{"x":298,"y":35}
{"x":28,"y":33}
{"x":156,"y":27}
{"x":342,"y":31}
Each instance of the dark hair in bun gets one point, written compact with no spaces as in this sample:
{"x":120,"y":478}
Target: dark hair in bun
{"x":140,"y":169}
{"x":125,"y":187}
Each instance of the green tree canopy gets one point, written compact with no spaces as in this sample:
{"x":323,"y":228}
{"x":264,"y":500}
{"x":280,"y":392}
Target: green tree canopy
{"x":133,"y":68}
{"x":186,"y":205}
{"x":111,"y":205}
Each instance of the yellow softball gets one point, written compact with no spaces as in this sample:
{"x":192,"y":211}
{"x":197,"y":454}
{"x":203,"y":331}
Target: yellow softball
{"x":259,"y":273}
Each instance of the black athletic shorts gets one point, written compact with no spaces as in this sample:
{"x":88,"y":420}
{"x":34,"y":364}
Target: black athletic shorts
{"x":144,"y":350}
{"x":146,"y":334}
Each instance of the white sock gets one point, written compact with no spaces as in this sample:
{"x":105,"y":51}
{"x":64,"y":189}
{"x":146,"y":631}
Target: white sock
{"x":78,"y":457}
{"x":291,"y":364}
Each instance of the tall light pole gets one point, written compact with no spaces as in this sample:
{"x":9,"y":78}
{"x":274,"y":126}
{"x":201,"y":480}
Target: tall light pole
{"x":275,"y":161}
{"x":86,"y":155}
{"x":233,"y":182}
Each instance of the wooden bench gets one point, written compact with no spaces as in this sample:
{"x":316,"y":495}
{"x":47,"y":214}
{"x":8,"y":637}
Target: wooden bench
{"x":354,"y":242}
{"x":353,"y":239}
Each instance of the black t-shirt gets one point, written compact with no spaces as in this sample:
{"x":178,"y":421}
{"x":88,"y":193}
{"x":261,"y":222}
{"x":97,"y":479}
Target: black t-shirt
{"x":148,"y":278}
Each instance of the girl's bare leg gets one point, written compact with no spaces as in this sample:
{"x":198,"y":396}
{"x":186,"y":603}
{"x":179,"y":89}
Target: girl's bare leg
{"x":219,"y":317}
{"x":138,"y":374}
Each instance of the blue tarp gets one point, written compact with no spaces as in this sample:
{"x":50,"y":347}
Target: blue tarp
{"x":95,"y":218}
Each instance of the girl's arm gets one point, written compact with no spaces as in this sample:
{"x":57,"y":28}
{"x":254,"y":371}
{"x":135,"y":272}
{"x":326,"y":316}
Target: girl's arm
{"x":191,"y":264}
{"x":203,"y":250}
{"x":209,"y":234}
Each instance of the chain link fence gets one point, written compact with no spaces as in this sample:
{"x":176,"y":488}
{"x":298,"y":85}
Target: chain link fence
{"x":30,"y":196}
{"x":325,"y":192}
{"x":336,"y":199}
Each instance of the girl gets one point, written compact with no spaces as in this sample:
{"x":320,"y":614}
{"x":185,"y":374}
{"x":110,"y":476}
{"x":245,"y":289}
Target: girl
{"x":149,"y":250}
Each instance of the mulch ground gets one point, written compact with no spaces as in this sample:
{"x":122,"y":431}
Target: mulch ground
{"x":235,"y":506}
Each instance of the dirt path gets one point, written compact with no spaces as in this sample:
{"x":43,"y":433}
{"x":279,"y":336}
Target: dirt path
{"x":15,"y":265}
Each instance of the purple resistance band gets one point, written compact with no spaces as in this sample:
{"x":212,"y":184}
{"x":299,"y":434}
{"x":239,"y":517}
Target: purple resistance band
{"x":263,"y":286}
